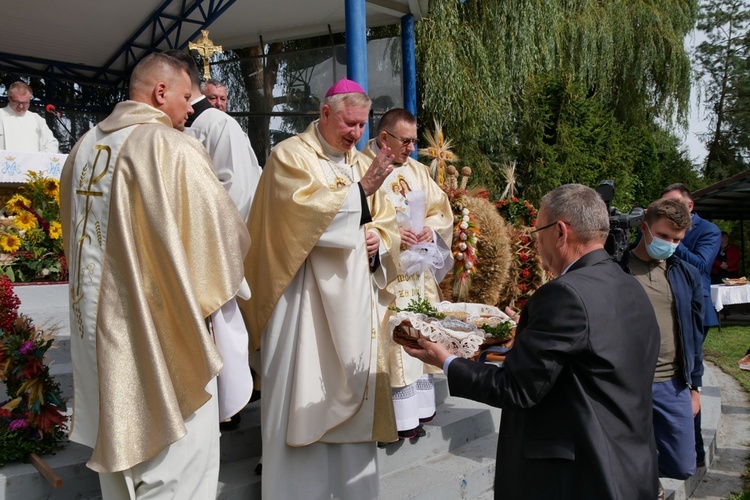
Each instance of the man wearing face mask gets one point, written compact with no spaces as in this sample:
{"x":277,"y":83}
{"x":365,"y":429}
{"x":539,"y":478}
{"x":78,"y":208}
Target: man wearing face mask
{"x":674,"y":288}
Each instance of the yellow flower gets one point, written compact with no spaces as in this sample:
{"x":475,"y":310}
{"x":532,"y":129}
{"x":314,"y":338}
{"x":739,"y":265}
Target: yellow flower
{"x":51,"y":187}
{"x":10,"y":243}
{"x":25,"y":221}
{"x":16,"y":203}
{"x":55,"y":230}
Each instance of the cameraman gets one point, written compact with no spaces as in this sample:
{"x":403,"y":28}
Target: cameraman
{"x":674,"y":288}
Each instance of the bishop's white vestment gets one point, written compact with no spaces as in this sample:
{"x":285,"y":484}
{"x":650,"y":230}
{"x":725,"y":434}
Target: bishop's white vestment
{"x":326,"y":396}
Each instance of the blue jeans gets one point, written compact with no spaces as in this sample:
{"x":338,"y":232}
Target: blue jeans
{"x":674,"y":429}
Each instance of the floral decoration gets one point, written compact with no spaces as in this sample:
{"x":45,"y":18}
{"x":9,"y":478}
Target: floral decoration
{"x":31,"y":235}
{"x":517,"y":212}
{"x":33,"y":420}
{"x":527,"y":270}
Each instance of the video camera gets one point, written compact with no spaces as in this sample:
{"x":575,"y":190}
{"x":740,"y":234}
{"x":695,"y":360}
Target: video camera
{"x":618,"y":239}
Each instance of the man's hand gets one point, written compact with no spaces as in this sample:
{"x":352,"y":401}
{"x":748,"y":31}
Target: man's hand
{"x":724,"y":265}
{"x":429,"y":352}
{"x":378,"y":171}
{"x":372,"y":240}
{"x":408,"y":238}
{"x":425,"y":236}
{"x":514,"y":315}
{"x":695,"y":398}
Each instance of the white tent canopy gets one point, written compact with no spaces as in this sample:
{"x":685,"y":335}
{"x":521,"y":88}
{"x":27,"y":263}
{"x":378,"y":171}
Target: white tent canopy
{"x":92,"y":34}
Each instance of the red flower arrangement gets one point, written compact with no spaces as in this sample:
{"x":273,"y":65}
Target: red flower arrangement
{"x":33,"y":420}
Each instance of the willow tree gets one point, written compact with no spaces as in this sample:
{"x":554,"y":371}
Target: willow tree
{"x":476,"y":58}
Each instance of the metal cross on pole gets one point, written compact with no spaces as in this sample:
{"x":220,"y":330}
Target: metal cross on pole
{"x":205,"y":48}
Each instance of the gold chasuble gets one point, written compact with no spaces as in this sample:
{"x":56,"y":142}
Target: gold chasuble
{"x":411,"y":176}
{"x":154,"y":245}
{"x":312,"y":312}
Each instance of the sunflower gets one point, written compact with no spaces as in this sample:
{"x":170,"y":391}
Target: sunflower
{"x":55,"y":230}
{"x":25,"y":221}
{"x":17,"y":203}
{"x":51,"y":187}
{"x":10,"y":243}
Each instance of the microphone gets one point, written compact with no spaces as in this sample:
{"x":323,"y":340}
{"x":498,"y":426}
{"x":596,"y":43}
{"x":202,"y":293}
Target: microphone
{"x":51,"y":109}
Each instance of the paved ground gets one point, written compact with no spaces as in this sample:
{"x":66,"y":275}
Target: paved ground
{"x":733,"y":443}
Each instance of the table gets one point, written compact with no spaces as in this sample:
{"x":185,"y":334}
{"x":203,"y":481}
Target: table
{"x":725,"y":295}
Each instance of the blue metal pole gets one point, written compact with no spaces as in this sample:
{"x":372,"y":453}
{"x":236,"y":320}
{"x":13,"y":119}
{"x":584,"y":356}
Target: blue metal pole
{"x":409,"y":67}
{"x":356,"y":50}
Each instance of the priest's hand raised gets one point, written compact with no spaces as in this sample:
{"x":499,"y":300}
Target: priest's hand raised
{"x":378,"y":171}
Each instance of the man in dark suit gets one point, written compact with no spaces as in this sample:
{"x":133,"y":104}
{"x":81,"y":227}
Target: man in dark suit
{"x":699,"y":247}
{"x":576,"y":387}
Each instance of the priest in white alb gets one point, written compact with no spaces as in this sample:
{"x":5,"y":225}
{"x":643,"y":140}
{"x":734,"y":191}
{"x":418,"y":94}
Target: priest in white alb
{"x":237,"y":170}
{"x":141,"y":213}
{"x":20,"y":129}
{"x":425,"y":221}
{"x":323,"y":234}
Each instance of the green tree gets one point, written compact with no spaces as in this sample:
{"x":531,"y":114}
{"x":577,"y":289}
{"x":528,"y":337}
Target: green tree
{"x":476,"y":58}
{"x":566,"y":135}
{"x":724,"y":72}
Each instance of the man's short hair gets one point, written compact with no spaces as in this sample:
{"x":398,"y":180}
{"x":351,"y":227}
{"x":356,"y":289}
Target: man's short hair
{"x":19,"y":87}
{"x":582,"y":208}
{"x":678,"y":186}
{"x":337,"y":101}
{"x":150,"y":63}
{"x":189,"y":61}
{"x":393,"y":117}
{"x":671,"y":209}
{"x":212,"y":81}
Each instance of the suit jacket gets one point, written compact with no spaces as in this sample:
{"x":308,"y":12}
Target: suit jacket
{"x":699,"y":248}
{"x":575,"y":390}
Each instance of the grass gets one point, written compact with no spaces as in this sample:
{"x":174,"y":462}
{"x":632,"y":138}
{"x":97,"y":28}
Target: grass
{"x":724,"y":348}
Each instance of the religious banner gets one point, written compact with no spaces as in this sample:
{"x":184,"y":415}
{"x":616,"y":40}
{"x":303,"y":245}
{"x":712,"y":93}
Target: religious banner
{"x":14,"y":165}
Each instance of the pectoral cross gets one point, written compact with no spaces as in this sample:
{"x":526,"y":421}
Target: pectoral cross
{"x":205,"y":48}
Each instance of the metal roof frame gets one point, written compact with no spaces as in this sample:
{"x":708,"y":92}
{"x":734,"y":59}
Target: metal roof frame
{"x":171,"y":26}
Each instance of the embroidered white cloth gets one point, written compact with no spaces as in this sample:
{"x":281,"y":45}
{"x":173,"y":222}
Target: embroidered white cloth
{"x":461,"y":336}
{"x":724,"y":295}
{"x":461,"y":339}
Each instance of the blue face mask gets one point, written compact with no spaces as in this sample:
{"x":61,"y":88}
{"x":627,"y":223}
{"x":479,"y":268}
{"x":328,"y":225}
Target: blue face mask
{"x":659,"y":249}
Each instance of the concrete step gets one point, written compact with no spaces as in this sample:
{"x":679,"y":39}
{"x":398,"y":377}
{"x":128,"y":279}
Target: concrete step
{"x":22,"y":481}
{"x":237,"y":480}
{"x":458,"y":422}
{"x":467,"y":471}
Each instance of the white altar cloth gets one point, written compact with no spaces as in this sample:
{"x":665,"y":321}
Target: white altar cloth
{"x":15,"y":164}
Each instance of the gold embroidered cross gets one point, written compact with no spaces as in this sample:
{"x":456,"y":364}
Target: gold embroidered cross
{"x":205,"y":48}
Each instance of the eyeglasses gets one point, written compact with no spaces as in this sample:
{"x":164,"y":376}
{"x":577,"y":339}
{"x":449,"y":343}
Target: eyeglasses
{"x":19,"y":103}
{"x":533,"y":233}
{"x":404,"y":142}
